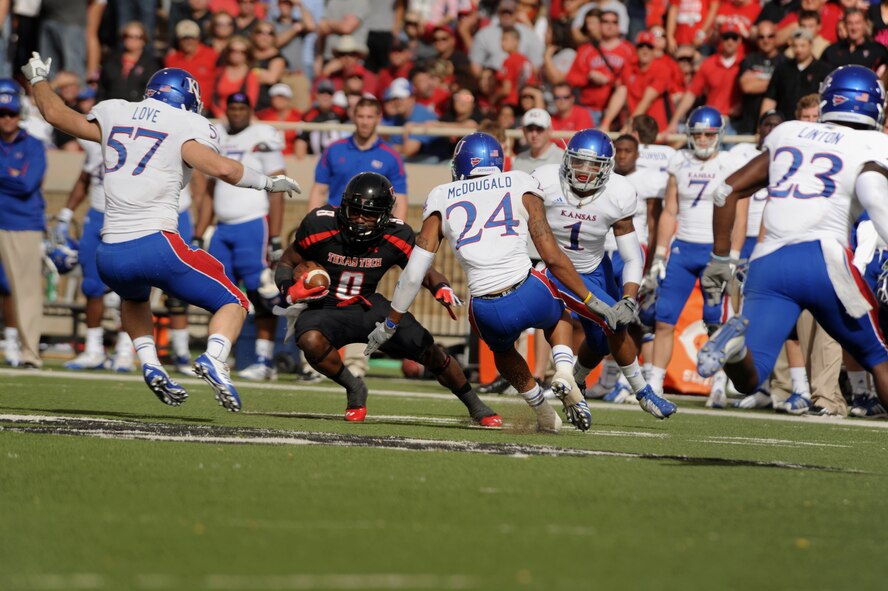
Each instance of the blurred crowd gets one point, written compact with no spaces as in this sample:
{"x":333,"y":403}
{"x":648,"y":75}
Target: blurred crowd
{"x":464,"y":64}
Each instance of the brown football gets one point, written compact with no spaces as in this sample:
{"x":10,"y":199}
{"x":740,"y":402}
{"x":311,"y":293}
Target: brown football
{"x":314,"y":274}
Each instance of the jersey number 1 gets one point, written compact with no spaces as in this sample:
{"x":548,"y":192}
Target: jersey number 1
{"x":504,"y":208}
{"x":118,"y":147}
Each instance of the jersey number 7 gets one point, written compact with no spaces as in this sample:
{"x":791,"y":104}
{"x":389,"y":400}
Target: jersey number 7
{"x":118,"y":147}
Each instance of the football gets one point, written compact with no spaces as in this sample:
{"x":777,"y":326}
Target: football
{"x":312,"y":273}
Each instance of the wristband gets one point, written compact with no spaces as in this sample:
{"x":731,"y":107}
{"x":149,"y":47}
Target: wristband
{"x":587,"y":298}
{"x":735,"y":254}
{"x":275,"y":243}
{"x":65,"y":215}
{"x":660,"y":251}
{"x":389,"y":323}
{"x":252,"y":179}
{"x":717,"y":257}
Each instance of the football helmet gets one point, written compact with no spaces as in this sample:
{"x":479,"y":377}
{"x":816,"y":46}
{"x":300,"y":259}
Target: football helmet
{"x":853,"y":94}
{"x":64,"y":256}
{"x":175,"y":87}
{"x":587,"y":164}
{"x":366,"y":208}
{"x":477,"y":154}
{"x":705,"y":120}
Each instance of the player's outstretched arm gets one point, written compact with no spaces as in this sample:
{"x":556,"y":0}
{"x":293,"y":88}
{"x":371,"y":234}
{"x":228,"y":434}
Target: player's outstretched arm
{"x":209,"y":162}
{"x":51,"y":105}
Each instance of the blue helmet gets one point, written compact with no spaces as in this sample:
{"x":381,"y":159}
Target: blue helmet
{"x":853,"y":94}
{"x":64,"y":256}
{"x":705,"y":120}
{"x":477,"y":154}
{"x":175,"y":87}
{"x":587,"y":163}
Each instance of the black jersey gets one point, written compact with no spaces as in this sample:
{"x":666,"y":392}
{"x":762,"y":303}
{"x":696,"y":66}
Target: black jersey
{"x":352,"y":271}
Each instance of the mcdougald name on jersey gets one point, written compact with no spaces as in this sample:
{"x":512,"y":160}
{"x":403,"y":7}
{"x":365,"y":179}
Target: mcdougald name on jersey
{"x":483,"y":184}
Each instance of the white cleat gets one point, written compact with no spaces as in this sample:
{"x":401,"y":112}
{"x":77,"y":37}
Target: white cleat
{"x":87,"y":360}
{"x":718,"y":395}
{"x":575,"y":407}
{"x":548,"y":420}
{"x":758,"y":399}
{"x":597,"y":392}
{"x":123,"y":363}
{"x":258,"y":372}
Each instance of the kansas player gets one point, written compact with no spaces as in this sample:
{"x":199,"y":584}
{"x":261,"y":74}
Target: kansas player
{"x":357,"y":243}
{"x":818,"y":177}
{"x":248,"y":222}
{"x":584,"y":202}
{"x":486,"y":216}
{"x":149,"y":149}
{"x":694,"y":173}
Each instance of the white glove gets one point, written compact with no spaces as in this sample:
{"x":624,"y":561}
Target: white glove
{"x":605,"y":312}
{"x":721,"y":193}
{"x":36,"y":70}
{"x":655,"y":274}
{"x":281,"y":183}
{"x":381,"y":334}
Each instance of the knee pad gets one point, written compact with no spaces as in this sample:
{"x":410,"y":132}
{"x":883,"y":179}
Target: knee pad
{"x":175,"y":306}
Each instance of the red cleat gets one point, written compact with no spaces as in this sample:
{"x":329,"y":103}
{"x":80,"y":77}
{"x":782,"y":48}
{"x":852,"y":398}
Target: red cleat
{"x":491,"y":421}
{"x":356,"y":415}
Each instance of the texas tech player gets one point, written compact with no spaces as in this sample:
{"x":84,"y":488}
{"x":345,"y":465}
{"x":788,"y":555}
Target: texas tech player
{"x":356,"y":244}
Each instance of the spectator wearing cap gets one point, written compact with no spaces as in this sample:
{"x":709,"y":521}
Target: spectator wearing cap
{"x":613,"y":6}
{"x":643,"y":87}
{"x":428,"y":90}
{"x":269,"y":65}
{"x":597,"y":67}
{"x":487,"y":51}
{"x":402,"y":110}
{"x":193,"y":56}
{"x":687,"y":22}
{"x":347,"y":62}
{"x":537,"y":127}
{"x":444,"y":42}
{"x":857,"y":47}
{"x":399,"y":66}
{"x":281,"y":109}
{"x":22,"y":167}
{"x":291,"y":32}
{"x":794,"y":79}
{"x":234,"y":75}
{"x":364,"y":151}
{"x":830,"y":15}
{"x":126,"y":73}
{"x":716,"y":80}
{"x":756,"y":71}
{"x":742,"y":13}
{"x":323,"y":111}
{"x":809,"y":19}
{"x":568,"y":116}
{"x":515,"y":72}
{"x":343,"y":17}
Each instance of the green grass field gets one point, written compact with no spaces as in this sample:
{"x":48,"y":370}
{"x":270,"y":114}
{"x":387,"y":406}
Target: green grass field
{"x":103,"y":487}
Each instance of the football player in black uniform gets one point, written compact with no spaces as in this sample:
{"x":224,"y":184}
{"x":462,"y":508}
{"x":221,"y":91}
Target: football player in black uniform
{"x":356,"y":244}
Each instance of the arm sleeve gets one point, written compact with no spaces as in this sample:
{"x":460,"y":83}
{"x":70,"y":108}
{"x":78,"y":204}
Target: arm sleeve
{"x":871,"y":188}
{"x":633,"y":257}
{"x":411,"y":279}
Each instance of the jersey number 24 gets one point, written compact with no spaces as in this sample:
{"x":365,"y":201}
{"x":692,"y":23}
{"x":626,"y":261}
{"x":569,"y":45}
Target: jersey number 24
{"x":507,"y":221}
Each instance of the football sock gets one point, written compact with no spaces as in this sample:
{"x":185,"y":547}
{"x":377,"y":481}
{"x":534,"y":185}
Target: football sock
{"x":179,"y":340}
{"x":10,"y":335}
{"x":265,"y":349}
{"x":858,"y":382}
{"x":534,"y":396}
{"x":218,"y":347}
{"x":146,"y":351}
{"x":355,"y":388}
{"x":610,"y":371}
{"x":632,"y":373}
{"x":563,"y":358}
{"x":800,"y":381}
{"x":477,"y":409}
{"x":94,"y":338}
{"x":581,"y":372}
{"x":646,"y":370}
{"x":658,"y":374}
{"x":124,"y":344}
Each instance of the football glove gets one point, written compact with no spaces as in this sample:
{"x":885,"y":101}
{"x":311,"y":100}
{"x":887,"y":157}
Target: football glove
{"x":625,"y":311}
{"x":445,"y":296}
{"x":381,"y":334}
{"x":299,"y":293}
{"x":36,"y":70}
{"x":275,"y":249}
{"x":603,"y":311}
{"x":721,"y":193}
{"x":281,"y":183}
{"x":656,"y":273}
{"x":716,"y":276}
{"x":882,"y":286}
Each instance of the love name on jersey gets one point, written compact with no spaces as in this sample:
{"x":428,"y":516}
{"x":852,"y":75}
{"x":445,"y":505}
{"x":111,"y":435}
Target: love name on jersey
{"x":476,"y":185}
{"x":578,"y":215}
{"x":820,"y":135}
{"x":359,"y":262}
{"x":145,"y":114}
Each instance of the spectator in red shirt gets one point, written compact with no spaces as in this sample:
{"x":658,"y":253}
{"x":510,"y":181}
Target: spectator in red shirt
{"x":596,"y":69}
{"x":282,"y":109}
{"x":568,"y":116}
{"x":515,"y":72}
{"x":716,"y":80}
{"x":400,"y":64}
{"x":830,"y":15}
{"x":428,"y":90}
{"x":687,"y":22}
{"x":643,"y":87}
{"x":193,"y":56}
{"x":742,"y":13}
{"x":347,"y":57}
{"x":234,"y":75}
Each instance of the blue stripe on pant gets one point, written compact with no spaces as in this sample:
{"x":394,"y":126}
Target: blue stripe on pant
{"x":686,"y":263}
{"x":782,"y":284}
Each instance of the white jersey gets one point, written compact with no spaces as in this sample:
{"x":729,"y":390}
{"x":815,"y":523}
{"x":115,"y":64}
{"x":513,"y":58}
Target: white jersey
{"x":813,"y":169}
{"x":696,"y":180}
{"x":580,"y":230}
{"x":485,"y":222}
{"x":258,"y":146}
{"x":654,"y":157}
{"x":144,"y":171}
{"x":744,"y":153}
{"x":94,"y":166}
